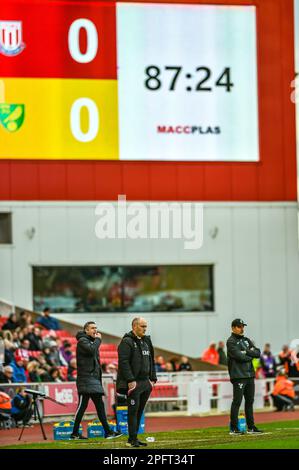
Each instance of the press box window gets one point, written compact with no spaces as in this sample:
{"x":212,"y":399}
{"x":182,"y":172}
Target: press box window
{"x":166,"y":288}
{"x":5,"y":228}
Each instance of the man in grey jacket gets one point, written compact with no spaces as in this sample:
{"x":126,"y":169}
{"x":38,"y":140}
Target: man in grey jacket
{"x":89,"y":379}
{"x":240,"y":352}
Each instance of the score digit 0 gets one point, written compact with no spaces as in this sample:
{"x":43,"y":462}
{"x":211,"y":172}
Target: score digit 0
{"x":75,"y":120}
{"x":92,"y":40}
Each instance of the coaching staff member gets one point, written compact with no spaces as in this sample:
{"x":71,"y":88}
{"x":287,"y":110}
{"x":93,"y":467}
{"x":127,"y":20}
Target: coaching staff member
{"x":136,"y":374}
{"x":89,"y":379}
{"x":240,"y":352}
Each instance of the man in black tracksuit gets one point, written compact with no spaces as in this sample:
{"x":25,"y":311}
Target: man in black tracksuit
{"x":136,"y":375}
{"x":89,"y":379}
{"x":240,"y":352}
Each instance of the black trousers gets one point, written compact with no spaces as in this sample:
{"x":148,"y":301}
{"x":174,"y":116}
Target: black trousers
{"x":281,"y":401}
{"x":137,"y":399}
{"x":97,"y":398}
{"x":23,"y":415}
{"x":242,"y":387}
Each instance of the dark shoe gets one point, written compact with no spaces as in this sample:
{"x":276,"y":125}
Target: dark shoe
{"x":290,"y":408}
{"x":236,"y":432}
{"x":141,"y":444}
{"x":133,"y":443}
{"x":254,"y":430}
{"x":77,"y":437}
{"x":113,"y":435}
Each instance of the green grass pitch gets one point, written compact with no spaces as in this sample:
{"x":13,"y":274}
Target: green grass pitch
{"x":278,"y":435}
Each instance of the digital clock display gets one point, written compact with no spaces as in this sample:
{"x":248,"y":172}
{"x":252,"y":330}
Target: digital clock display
{"x":128,"y":81}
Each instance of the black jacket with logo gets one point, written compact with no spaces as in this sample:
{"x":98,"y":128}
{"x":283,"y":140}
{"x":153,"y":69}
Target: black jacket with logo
{"x":89,"y":372}
{"x":240,"y":352}
{"x":131,"y":361}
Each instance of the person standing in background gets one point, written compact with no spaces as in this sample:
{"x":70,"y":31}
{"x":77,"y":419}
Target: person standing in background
{"x":222,"y":355}
{"x":240,"y":352}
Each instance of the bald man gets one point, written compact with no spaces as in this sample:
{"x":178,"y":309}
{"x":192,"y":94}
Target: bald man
{"x":136,"y":375}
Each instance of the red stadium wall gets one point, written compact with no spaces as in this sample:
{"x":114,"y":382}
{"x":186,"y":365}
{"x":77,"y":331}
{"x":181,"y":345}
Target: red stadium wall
{"x":273,"y":178}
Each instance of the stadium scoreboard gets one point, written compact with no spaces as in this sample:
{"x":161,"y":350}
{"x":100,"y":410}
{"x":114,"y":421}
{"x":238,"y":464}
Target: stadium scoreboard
{"x":128,"y":81}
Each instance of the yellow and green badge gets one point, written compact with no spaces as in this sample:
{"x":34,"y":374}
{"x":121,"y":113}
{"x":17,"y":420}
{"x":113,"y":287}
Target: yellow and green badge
{"x":12,"y":116}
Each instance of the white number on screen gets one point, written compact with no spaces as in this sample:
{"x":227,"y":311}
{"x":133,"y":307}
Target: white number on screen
{"x":74,"y":43}
{"x":76,"y":120}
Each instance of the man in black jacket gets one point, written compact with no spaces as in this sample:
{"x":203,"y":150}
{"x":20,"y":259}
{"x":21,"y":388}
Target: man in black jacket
{"x":240,"y":352}
{"x":89,"y":379}
{"x":136,"y":375}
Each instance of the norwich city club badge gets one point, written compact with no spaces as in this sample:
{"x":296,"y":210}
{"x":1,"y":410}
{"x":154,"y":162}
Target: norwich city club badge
{"x":12,"y":116}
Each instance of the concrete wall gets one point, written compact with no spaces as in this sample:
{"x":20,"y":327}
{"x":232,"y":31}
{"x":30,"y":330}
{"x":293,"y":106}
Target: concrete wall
{"x":255,"y":255}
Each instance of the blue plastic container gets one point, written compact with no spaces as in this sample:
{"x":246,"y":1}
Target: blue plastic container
{"x":242,"y":423}
{"x":122,"y":420}
{"x":95,"y":428}
{"x":63,"y":430}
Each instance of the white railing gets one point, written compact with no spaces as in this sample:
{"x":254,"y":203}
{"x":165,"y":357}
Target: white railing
{"x":207,"y":392}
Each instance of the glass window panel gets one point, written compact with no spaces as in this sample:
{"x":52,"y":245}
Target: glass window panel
{"x":124,"y":288}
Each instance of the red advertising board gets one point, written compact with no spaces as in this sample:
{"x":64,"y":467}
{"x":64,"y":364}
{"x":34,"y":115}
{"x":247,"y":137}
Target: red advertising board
{"x":66,"y":393}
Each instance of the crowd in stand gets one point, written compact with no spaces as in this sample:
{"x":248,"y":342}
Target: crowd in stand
{"x":33,"y":352}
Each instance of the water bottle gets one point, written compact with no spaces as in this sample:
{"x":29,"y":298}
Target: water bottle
{"x":242,"y":423}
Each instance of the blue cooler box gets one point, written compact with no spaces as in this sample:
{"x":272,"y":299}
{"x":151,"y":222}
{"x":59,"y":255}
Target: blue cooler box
{"x":63,"y":430}
{"x":95,"y":428}
{"x":122,"y":420}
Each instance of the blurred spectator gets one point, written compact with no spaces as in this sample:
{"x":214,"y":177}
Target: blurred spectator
{"x":43,"y":363}
{"x":66,"y":351}
{"x":268,"y":363}
{"x":283,"y":393}
{"x":72,"y":370}
{"x":175,"y":363}
{"x":19,"y":375}
{"x":9,"y":348}
{"x":211,"y":355}
{"x":169,"y":367}
{"x":285,"y":358}
{"x":35,"y":339}
{"x":6,"y":375}
{"x":21,"y":406}
{"x":48,"y":357}
{"x":15,"y":339}
{"x":43,"y":374}
{"x":185,"y":364}
{"x":294,"y":364}
{"x":12,"y":323}
{"x":32,"y":370}
{"x":53,"y":356}
{"x":5,"y":406}
{"x":160,"y":364}
{"x":256,"y":362}
{"x":50,"y":339}
{"x":24,"y":353}
{"x":55,"y":375}
{"x":25,"y":319}
{"x":48,"y":322}
{"x":21,"y":334}
{"x":112,"y":370}
{"x":25,"y":344}
{"x":222,"y":355}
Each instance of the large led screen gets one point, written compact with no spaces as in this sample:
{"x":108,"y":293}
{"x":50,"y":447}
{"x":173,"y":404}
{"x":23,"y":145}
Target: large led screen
{"x":127,"y":81}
